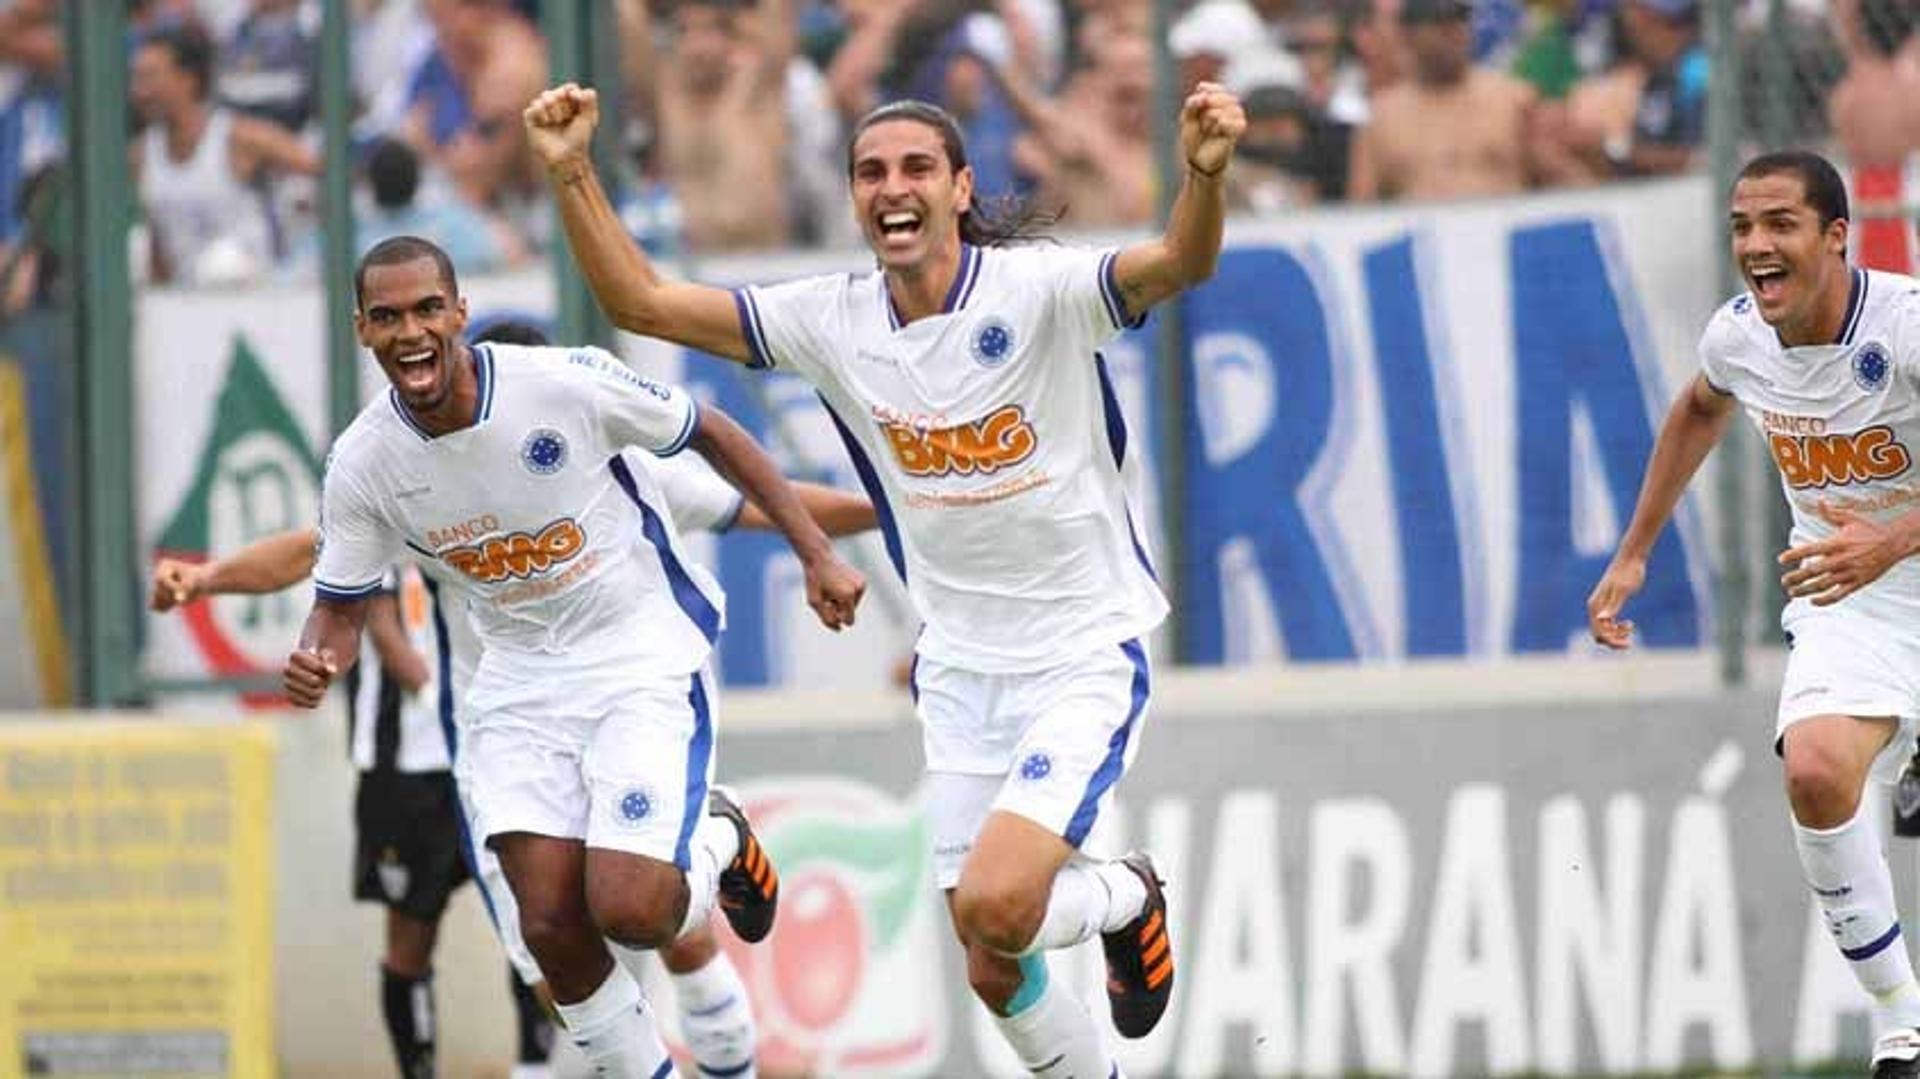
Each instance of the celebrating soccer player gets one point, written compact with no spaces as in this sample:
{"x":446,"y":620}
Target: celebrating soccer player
{"x":1825,"y":359}
{"x":965,"y":379}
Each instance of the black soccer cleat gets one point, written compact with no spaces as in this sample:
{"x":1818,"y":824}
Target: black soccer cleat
{"x":749,"y":886}
{"x":1897,"y":1055}
{"x":1140,"y":958}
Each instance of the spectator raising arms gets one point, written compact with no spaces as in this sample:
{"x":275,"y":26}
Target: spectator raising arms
{"x":202,"y":168}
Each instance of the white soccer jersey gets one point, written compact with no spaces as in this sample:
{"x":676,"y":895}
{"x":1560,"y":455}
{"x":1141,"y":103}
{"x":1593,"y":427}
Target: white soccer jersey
{"x":695,"y":499}
{"x":1842,"y":421}
{"x":559,"y":548}
{"x":991,"y":443}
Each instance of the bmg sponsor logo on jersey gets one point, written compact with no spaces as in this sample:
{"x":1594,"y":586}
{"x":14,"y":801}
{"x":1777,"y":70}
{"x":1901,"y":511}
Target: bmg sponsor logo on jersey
{"x":1821,"y":460}
{"x":518,"y":554}
{"x":985,"y":446}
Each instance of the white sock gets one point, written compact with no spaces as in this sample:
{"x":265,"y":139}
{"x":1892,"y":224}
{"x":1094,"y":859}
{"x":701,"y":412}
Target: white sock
{"x":715,"y":842}
{"x":1053,"y":1035}
{"x":1088,"y":898}
{"x":1849,"y":876}
{"x":717,"y":1019}
{"x":614,"y":1030}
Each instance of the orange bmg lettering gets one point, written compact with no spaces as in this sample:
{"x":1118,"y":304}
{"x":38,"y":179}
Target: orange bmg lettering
{"x":518,"y":554}
{"x":984,"y":446}
{"x":1822,"y":460}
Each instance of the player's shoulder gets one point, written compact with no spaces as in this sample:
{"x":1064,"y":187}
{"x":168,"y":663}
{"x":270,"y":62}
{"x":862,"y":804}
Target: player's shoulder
{"x":1735,"y":328}
{"x":365,"y":437}
{"x":1889,"y":297}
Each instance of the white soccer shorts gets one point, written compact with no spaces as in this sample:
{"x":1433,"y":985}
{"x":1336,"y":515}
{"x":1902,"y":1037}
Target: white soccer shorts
{"x":1049,"y":745}
{"x":1849,"y":660}
{"x":502,"y":909}
{"x":630,"y":776}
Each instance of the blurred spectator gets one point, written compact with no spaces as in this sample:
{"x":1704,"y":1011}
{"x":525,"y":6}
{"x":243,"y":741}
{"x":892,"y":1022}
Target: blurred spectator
{"x":1271,"y":169}
{"x":269,"y":64}
{"x":202,"y":169}
{"x":1569,"y":138}
{"x":719,"y":98}
{"x":1217,"y":40}
{"x":1094,"y":160}
{"x":1875,"y":110}
{"x":465,"y":100}
{"x":1454,"y":130}
{"x":1379,"y":45}
{"x":32,"y":124}
{"x":1544,"y":50}
{"x":32,"y":263}
{"x":474,"y":240}
{"x":1334,"y":85}
{"x":1670,"y":122}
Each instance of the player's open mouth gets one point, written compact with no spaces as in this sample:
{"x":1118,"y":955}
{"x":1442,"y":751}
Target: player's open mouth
{"x":417,"y":371}
{"x":1769,"y":282}
{"x":899,"y":225}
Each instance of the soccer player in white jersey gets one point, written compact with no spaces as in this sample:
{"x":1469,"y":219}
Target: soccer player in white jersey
{"x":964,"y":378}
{"x":1825,"y":360}
{"x":715,"y":1016}
{"x":589,"y":753}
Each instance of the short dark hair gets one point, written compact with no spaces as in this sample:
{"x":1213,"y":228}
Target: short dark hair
{"x":1825,"y":191}
{"x":513,"y":331}
{"x":1888,"y":23}
{"x":992,"y":220}
{"x":393,"y":171}
{"x":191,"y":50}
{"x":395,"y":250}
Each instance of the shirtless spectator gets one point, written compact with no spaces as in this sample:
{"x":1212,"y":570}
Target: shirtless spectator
{"x":1095,"y":161}
{"x":1455,"y":130}
{"x":718,"y":96}
{"x":465,"y":100}
{"x":1875,"y":110}
{"x":202,"y":169}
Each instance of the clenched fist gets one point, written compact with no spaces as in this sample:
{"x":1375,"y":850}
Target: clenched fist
{"x":560,"y":123}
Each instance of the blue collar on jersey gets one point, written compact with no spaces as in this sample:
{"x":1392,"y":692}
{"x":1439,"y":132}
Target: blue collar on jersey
{"x":964,"y":279}
{"x":1856,"y":303}
{"x":482,"y":406}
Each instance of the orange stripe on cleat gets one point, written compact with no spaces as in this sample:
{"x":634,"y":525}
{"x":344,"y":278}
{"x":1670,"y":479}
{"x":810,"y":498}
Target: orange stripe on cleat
{"x":1160,"y":974}
{"x":1147,"y":930}
{"x":1159,"y":949}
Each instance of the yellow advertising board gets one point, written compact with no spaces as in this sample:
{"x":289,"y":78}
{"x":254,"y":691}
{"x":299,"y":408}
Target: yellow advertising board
{"x":136,"y":905}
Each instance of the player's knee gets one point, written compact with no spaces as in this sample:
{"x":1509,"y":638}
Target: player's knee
{"x":995,"y":978}
{"x":551,"y":935}
{"x":999,"y":918}
{"x":641,"y":911}
{"x":1822,"y":784}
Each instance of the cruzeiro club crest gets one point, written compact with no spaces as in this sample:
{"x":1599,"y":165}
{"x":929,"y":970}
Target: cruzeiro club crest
{"x":1871,"y":367}
{"x":256,"y":475}
{"x":992,"y":342}
{"x":544,"y":452}
{"x":634,"y":806}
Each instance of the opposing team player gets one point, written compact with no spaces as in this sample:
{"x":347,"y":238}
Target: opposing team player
{"x":589,"y":753}
{"x":1825,"y":360}
{"x":964,"y":378}
{"x":424,"y":832}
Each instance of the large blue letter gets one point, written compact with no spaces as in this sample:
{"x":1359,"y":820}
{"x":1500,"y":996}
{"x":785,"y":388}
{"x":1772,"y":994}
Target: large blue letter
{"x":1260,"y":408}
{"x":1435,"y":609}
{"x":1570,"y":345}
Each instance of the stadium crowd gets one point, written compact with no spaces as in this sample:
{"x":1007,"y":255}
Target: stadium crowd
{"x":730,"y":124}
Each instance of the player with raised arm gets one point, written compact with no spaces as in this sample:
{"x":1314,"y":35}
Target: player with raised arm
{"x":714,"y":1012}
{"x":965,"y":380}
{"x":589,"y":753}
{"x":1825,"y":360}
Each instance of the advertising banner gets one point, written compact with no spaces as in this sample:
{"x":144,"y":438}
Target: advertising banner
{"x":135,"y":899}
{"x":1596,"y":889}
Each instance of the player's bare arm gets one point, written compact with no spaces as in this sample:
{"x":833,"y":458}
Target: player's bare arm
{"x":329,"y":643}
{"x":1853,"y":557}
{"x":560,"y":124}
{"x":397,"y":655}
{"x":1694,"y":425}
{"x":833,"y":587}
{"x":837,"y":512}
{"x":1211,"y":123}
{"x":266,"y":565}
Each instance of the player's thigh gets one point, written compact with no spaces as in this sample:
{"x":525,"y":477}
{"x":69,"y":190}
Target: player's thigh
{"x":1850,"y":698}
{"x":1069,"y":760}
{"x":547,"y":875}
{"x":408,"y":842}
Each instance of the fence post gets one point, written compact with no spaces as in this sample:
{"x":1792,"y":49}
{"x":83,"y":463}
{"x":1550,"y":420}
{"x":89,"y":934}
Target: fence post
{"x":1732,"y":590}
